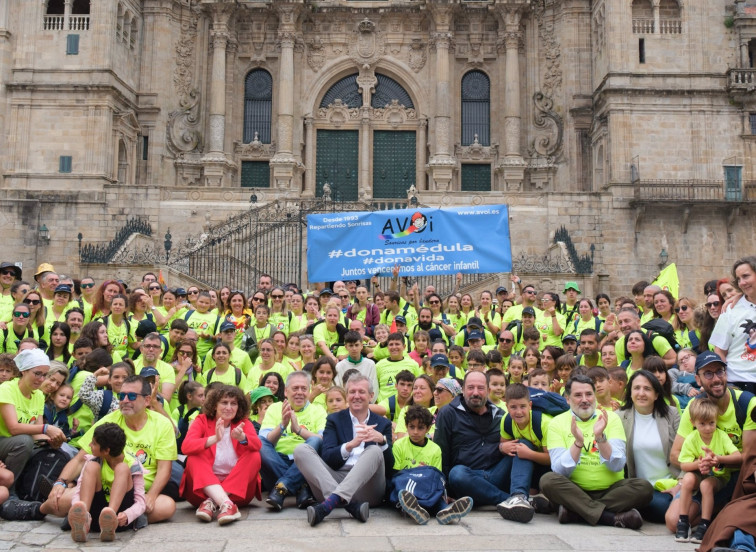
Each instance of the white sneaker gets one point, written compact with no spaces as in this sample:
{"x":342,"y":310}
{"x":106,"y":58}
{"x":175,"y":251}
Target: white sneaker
{"x":516,"y":508}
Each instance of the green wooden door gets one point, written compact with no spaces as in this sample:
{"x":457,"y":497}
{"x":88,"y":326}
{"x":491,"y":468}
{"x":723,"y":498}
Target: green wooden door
{"x":393,"y":163}
{"x":337,"y":163}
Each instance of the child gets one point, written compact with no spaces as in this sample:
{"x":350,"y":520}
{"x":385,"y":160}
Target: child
{"x":532,"y":358}
{"x":516,"y":370}
{"x":538,"y":379}
{"x":104,"y":401}
{"x":380,"y":351}
{"x":411,"y":452}
{"x":421,"y":341}
{"x":191,"y":396}
{"x":565,"y":364}
{"x":497,"y":386}
{"x":683,"y":378}
{"x":458,"y":362}
{"x":110,"y":488}
{"x":8,"y":369}
{"x":523,"y":434}
{"x":617,"y":382}
{"x":701,"y":456}
{"x":494,"y":360}
{"x":335,"y":399}
{"x":56,"y":413}
{"x":600,"y":378}
{"x":390,"y":407}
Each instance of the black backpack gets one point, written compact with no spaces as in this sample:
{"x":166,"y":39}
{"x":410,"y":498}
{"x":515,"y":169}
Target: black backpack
{"x":657,"y":326}
{"x":46,"y":461}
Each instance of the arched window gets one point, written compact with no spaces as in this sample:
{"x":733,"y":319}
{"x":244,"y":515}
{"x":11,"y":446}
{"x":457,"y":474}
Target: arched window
{"x":56,"y":7}
{"x":258,"y":105}
{"x":80,"y":7}
{"x":387,"y":90}
{"x":670,"y":19}
{"x":133,"y":33}
{"x":345,"y":90}
{"x":643,"y":17}
{"x":476,"y":108}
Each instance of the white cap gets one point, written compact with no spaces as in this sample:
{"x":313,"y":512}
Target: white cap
{"x":31,"y":358}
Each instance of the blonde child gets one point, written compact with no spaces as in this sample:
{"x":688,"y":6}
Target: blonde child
{"x":701,"y":456}
{"x":335,"y":399}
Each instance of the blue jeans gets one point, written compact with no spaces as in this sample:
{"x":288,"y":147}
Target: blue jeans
{"x":483,"y":486}
{"x":743,"y":541}
{"x":656,"y":509}
{"x":279,"y":468}
{"x":523,"y":471}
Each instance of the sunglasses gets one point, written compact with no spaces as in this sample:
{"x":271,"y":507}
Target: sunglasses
{"x":154,"y":287}
{"x":260,"y":298}
{"x":530,"y":291}
{"x":681,"y":308}
{"x":277,"y":296}
{"x":194,"y":292}
{"x":440,"y":389}
{"x":713,"y":304}
{"x":185,"y":353}
{"x":32,"y":301}
{"x":87,"y":286}
{"x":131,"y":396}
{"x":505,"y":340}
{"x":7,"y":272}
{"x":18,"y":314}
{"x":343,"y":296}
{"x":434,"y":302}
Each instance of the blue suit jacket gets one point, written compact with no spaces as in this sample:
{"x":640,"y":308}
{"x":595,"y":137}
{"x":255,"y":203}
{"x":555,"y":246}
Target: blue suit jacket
{"x":338,"y":430}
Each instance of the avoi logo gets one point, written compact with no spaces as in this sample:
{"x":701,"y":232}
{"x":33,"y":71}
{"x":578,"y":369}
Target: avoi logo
{"x":397,"y":227}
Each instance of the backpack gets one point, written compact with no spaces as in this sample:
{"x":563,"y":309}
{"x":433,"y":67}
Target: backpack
{"x":596,"y":322}
{"x":547,"y":402}
{"x":46,"y":461}
{"x":392,"y":407}
{"x":741,"y":404}
{"x":425,"y":482}
{"x":694,"y":341}
{"x":212,"y":371}
{"x":183,"y":424}
{"x":536,"y":417}
{"x":249,"y":341}
{"x":657,"y":326}
{"x":107,"y":398}
{"x":106,"y":321}
{"x":510,"y":326}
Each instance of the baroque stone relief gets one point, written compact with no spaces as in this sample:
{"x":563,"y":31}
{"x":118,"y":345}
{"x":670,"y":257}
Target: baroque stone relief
{"x":393,"y":114}
{"x":476,"y":151}
{"x":338,"y":113}
{"x":366,"y":45}
{"x":183,"y":126}
{"x":550,"y":128}
{"x":255,"y":149}
{"x":550,"y":50}
{"x":418,"y":55}
{"x":316,"y":55}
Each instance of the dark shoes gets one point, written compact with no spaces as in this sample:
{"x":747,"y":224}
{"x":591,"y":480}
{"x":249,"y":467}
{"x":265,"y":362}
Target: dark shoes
{"x":15,"y":509}
{"x":565,"y":516}
{"x":358,"y":510}
{"x":412,"y":508}
{"x":628,"y":520}
{"x":305,"y":498}
{"x":276,"y":497}
{"x":699,"y":533}
{"x":316,"y":514}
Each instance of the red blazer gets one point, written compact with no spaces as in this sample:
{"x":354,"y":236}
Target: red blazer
{"x":202,"y":427}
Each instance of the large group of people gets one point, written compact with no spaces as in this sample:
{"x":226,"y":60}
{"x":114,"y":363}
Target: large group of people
{"x":599,"y":410}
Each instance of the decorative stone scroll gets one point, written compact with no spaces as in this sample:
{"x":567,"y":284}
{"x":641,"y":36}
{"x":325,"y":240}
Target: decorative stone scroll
{"x":338,"y":113}
{"x":548,"y":143}
{"x":183,"y":134}
{"x":255,"y":149}
{"x":394,"y":114}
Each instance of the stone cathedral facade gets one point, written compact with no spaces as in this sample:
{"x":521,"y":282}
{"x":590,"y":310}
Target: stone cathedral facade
{"x":632,"y":123}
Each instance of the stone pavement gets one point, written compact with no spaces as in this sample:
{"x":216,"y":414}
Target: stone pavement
{"x":262,"y":530}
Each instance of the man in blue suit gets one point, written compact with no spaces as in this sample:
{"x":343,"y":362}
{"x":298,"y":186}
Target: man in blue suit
{"x":355,"y":460}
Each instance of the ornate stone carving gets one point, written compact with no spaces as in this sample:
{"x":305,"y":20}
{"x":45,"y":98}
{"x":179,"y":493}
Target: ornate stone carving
{"x":338,"y":113}
{"x":548,"y":143}
{"x":182,"y":73}
{"x":444,"y":39}
{"x":367,"y":45}
{"x":255,"y":149}
{"x":476,"y":151}
{"x":183,"y":135}
{"x":316,"y":56}
{"x":417,"y":55}
{"x":551,"y":52}
{"x":394,"y":114}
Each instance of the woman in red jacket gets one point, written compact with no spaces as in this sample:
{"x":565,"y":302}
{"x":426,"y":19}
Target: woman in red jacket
{"x":223,"y":457}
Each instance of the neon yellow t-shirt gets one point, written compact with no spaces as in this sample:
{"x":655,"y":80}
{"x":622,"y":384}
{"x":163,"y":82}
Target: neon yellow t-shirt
{"x":661,"y":346}
{"x":203,"y":323}
{"x":28,"y":411}
{"x":119,"y":338}
{"x":256,"y":372}
{"x":280,"y":321}
{"x":155,"y":441}
{"x":589,"y":474}
{"x":545,"y":325}
{"x":386,"y":371}
{"x":528,"y":432}
{"x":401,"y":423}
{"x":321,"y":333}
{"x":107,"y":474}
{"x":312,"y":417}
{"x":409,"y":455}
{"x":238,"y":358}
{"x":721,"y":445}
{"x":727,"y":422}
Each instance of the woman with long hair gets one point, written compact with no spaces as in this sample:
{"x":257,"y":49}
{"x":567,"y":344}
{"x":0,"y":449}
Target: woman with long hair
{"x":684,"y":322}
{"x":638,"y":347}
{"x":422,"y":394}
{"x":60,"y":335}
{"x":238,"y":314}
{"x":103,"y":297}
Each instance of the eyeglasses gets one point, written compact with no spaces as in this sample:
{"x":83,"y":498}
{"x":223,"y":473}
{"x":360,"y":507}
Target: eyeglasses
{"x":681,"y":308}
{"x":184,"y":353}
{"x":38,"y":374}
{"x":18,"y":314}
{"x":194,"y":292}
{"x":145,"y":346}
{"x":275,"y":297}
{"x":87,"y":286}
{"x":154,"y":288}
{"x":475,"y":364}
{"x":131,"y":396}
{"x":505,"y":340}
{"x":713,"y":304}
{"x":32,"y":301}
{"x":260,"y":298}
{"x":710,"y":375}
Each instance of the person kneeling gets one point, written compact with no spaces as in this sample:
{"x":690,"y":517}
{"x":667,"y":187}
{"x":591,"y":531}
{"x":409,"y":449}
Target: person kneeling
{"x":109,"y":493}
{"x":419,"y":486}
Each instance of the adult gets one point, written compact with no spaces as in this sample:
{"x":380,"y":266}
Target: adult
{"x":265,"y":283}
{"x":445,"y":391}
{"x":19,"y":329}
{"x":9,"y":274}
{"x":328,"y":334}
{"x":48,"y":281}
{"x":150,"y":437}
{"x":104,"y":296}
{"x":528,"y":296}
{"x":638,"y":348}
{"x":589,"y":356}
{"x":735,"y":418}
{"x":223,"y":457}
{"x":150,"y":357}
{"x":570,"y":307}
{"x":288,"y":424}
{"x":587,"y":450}
{"x":356,"y":457}
{"x":734,"y":336}
{"x":648,"y":302}
{"x":468,"y":432}
{"x":628,"y":320}
{"x":650,"y":426}
{"x":505,"y":346}
{"x":22,"y":405}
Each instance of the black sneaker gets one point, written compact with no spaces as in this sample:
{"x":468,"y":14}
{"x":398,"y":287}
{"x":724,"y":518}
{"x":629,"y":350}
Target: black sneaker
{"x":15,"y":509}
{"x":358,"y":510}
{"x":628,"y":520}
{"x":316,"y":514}
{"x":683,"y":531}
{"x":305,"y":498}
{"x":699,"y":533}
{"x":541,"y":504}
{"x":276,"y":497}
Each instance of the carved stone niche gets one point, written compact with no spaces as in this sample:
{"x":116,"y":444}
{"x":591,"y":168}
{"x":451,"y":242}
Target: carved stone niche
{"x":255,"y":149}
{"x":476,"y":151}
{"x":338,"y":113}
{"x":394,"y":114}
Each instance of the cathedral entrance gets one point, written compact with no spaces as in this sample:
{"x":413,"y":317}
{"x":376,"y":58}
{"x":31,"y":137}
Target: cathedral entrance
{"x":337,"y":163}
{"x":393,"y":163}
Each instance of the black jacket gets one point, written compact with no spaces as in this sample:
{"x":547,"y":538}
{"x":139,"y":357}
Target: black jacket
{"x":466,"y":438}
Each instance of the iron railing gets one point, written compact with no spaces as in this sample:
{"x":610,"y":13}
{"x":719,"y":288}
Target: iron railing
{"x":105,"y":253}
{"x":692,"y":191}
{"x":581,"y":264}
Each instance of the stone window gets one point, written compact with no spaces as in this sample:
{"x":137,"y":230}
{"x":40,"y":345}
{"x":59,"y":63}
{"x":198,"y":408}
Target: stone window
{"x":476,"y":108}
{"x":65,"y":15}
{"x":388,"y":90}
{"x":345,"y":90}
{"x":670,"y":19}
{"x":80,"y":7}
{"x":55,"y":7}
{"x":258,"y":102}
{"x":643,"y":17}
{"x":752,"y":119}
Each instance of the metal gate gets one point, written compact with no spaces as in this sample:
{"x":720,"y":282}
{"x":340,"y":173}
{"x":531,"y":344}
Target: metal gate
{"x":337,"y":163}
{"x":393,"y":163}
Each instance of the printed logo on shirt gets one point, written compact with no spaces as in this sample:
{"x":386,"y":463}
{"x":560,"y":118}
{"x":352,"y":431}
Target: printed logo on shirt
{"x":141,"y":455}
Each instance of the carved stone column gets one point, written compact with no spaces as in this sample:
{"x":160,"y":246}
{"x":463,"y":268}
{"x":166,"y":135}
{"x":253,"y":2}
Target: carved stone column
{"x":420,"y":180}
{"x":309,"y":190}
{"x":442,"y":164}
{"x":744,"y":61}
{"x":284,"y":163}
{"x":657,"y":17}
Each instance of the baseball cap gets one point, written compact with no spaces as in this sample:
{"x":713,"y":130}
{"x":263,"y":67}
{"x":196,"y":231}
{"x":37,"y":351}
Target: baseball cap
{"x":501,"y":289}
{"x":475,"y":321}
{"x":706,"y":358}
{"x":180,"y":291}
{"x":227,"y":326}
{"x":261,"y":392}
{"x":569,"y":337}
{"x":440,"y":359}
{"x":325,"y":291}
{"x":571,"y":285}
{"x":528,"y":310}
{"x":400,"y":319}
{"x":63,"y":288}
{"x":148,"y":372}
{"x":145,"y":327}
{"x":475,"y":335}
